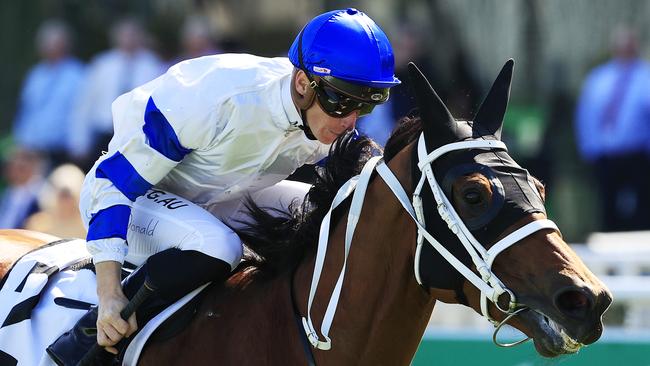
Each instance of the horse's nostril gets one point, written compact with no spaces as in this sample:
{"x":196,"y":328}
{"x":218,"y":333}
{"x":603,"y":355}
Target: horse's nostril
{"x":574,"y":303}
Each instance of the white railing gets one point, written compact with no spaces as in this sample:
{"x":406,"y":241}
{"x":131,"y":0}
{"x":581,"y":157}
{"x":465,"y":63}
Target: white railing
{"x":620,"y":260}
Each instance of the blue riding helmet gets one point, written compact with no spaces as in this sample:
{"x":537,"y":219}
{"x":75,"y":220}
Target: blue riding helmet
{"x":347,"y":45}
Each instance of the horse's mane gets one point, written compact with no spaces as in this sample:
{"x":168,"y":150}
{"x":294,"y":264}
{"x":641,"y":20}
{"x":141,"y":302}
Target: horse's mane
{"x":276,"y":239}
{"x":408,"y":129}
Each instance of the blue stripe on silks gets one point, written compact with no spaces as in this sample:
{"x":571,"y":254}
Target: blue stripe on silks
{"x":161,"y":135}
{"x":123,"y":175}
{"x":111,"y":222}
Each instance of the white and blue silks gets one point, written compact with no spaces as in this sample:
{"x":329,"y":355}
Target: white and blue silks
{"x":210,"y":130}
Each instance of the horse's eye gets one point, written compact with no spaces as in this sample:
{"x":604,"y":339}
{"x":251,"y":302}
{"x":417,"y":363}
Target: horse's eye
{"x":472,"y":196}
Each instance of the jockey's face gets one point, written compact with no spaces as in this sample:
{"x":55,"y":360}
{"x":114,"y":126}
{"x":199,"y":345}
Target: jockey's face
{"x":325,"y":128}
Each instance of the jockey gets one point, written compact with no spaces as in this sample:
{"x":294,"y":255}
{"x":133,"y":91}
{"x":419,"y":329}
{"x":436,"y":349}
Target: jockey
{"x":189,"y":145}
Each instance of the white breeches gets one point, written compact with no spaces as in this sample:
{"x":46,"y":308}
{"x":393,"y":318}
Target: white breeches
{"x":161,"y":220}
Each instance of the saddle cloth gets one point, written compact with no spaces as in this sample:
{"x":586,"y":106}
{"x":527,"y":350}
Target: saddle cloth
{"x":31,"y":320}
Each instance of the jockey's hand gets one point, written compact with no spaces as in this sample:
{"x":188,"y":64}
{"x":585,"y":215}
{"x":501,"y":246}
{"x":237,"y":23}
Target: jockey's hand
{"x":111,"y":328}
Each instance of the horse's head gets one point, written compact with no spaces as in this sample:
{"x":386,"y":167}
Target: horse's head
{"x":490,"y":214}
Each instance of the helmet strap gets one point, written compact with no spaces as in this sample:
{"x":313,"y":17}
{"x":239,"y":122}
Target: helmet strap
{"x":303,"y":101}
{"x":305,"y":127}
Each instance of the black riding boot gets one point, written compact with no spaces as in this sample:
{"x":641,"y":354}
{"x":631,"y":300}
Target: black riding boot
{"x":172,"y":272}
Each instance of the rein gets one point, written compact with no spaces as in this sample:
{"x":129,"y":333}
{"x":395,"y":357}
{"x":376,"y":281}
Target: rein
{"x":488,"y":283}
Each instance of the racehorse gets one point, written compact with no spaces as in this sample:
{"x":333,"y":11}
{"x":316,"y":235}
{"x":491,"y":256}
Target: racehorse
{"x":472,"y":193}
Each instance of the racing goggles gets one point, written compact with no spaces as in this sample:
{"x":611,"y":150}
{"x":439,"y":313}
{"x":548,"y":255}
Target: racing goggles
{"x":339,"y":98}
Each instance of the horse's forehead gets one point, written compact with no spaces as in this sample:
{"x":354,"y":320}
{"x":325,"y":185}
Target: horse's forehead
{"x":465,"y":128}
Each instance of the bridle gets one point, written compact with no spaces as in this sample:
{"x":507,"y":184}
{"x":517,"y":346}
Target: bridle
{"x":491,"y":287}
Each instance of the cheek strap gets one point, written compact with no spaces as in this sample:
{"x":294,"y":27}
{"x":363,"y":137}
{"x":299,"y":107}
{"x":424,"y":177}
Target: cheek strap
{"x":305,"y":127}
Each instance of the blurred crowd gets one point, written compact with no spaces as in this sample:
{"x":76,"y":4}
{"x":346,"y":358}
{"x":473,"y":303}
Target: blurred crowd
{"x":64,"y":121}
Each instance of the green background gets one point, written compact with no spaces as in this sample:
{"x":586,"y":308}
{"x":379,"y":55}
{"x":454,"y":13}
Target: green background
{"x":482,"y":352}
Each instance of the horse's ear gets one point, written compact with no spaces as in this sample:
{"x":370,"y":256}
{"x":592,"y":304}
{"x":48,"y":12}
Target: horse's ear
{"x":489,"y":118}
{"x":439,"y":125}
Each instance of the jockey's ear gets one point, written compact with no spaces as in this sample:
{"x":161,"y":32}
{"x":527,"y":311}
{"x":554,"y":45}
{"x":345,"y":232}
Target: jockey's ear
{"x":301,"y":93}
{"x":489,"y":118}
{"x":439,"y":125}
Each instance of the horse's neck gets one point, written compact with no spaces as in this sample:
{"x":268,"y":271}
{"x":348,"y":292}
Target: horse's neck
{"x":380,"y":300}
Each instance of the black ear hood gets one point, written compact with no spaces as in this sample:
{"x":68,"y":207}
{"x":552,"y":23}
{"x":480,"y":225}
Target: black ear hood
{"x":518,"y":194}
{"x":439,"y":126}
{"x":489,"y":118}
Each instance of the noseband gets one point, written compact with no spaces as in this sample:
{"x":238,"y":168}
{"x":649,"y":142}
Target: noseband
{"x":486,"y":281}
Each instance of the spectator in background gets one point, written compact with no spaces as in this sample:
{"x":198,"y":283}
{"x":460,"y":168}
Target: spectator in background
{"x":112,"y":73}
{"x":613,"y":131}
{"x":23,"y":172}
{"x":48,"y":93}
{"x":411,"y":46}
{"x":197,"y":39}
{"x":59,"y":202}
